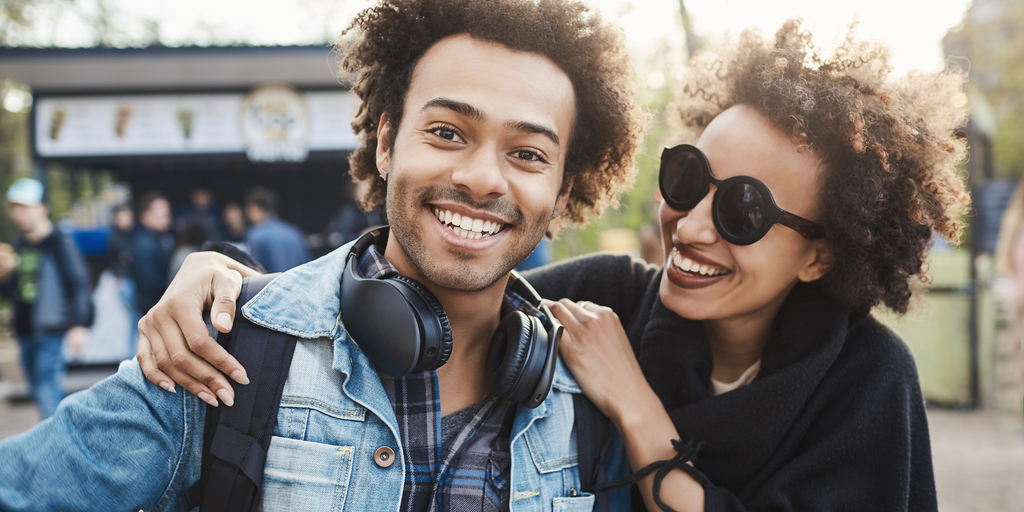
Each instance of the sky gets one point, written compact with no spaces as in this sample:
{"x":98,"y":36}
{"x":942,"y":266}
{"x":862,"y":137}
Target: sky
{"x":912,"y":28}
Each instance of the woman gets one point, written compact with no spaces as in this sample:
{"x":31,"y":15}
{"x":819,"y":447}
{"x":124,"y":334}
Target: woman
{"x":809,"y":198}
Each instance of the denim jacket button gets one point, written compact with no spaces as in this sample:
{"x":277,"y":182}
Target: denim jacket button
{"x":384,"y":457}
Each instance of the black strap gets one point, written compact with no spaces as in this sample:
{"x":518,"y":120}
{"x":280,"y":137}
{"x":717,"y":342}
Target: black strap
{"x":236,"y":438}
{"x":685,"y":452}
{"x":593,"y":432}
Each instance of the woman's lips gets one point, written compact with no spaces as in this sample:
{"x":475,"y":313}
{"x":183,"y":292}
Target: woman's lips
{"x":691,"y":279}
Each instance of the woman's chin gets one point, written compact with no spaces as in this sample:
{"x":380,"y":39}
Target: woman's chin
{"x":687,"y":303}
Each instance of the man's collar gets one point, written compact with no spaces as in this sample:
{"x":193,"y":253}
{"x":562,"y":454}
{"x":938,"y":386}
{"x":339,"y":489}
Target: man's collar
{"x":306,"y":301}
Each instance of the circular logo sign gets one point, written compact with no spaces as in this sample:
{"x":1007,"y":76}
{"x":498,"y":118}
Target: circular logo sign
{"x":274,"y":124}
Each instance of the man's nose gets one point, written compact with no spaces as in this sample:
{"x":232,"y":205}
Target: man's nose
{"x":482,"y":175}
{"x":696,"y":226}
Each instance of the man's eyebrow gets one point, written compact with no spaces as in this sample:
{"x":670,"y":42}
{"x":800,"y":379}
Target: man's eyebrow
{"x":528,"y":127}
{"x":459,"y":107}
{"x":467,"y":110}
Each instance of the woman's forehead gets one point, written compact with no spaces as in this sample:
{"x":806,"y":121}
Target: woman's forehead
{"x":741,"y":141}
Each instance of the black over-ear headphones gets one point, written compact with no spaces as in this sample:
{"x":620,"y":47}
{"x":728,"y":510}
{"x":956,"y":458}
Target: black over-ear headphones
{"x":402,"y":328}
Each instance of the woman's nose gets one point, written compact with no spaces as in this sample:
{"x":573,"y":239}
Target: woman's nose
{"x":696,"y":226}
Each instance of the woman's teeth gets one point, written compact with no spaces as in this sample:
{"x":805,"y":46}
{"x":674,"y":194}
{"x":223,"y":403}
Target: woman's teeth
{"x":465,"y":226}
{"x":688,"y":265}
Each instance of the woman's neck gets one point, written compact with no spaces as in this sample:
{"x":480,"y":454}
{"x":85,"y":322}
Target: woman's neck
{"x":737,"y":342}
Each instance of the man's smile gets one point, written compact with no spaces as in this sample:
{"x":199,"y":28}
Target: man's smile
{"x":465,"y":226}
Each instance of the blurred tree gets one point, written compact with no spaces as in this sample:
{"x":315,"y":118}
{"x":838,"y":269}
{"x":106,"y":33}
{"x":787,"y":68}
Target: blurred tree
{"x":657,"y":73}
{"x":991,"y":37}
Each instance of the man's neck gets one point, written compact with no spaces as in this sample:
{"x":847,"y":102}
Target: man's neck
{"x":473,"y":316}
{"x":39,"y":232}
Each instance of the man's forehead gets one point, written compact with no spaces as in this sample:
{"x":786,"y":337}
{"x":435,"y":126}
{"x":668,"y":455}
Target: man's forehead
{"x":497,"y":81}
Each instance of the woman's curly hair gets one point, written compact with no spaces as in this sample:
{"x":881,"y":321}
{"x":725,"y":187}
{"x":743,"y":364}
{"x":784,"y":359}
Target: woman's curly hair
{"x":889,"y":149}
{"x":609,"y":125}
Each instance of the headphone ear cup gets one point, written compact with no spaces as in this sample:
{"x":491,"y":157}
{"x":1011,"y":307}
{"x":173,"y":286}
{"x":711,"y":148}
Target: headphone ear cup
{"x":510,"y":350}
{"x":442,"y":317}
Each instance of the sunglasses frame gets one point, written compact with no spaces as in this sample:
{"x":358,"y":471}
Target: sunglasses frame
{"x":773,"y":214}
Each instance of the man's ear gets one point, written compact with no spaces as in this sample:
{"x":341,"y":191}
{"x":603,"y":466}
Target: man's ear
{"x":383,"y":150}
{"x":563,"y":199}
{"x":818,"y":263}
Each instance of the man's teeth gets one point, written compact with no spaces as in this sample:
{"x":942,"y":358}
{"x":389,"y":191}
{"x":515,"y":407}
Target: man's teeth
{"x":688,"y":265}
{"x":465,"y":226}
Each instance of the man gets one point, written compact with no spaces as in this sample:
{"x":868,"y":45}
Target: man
{"x":276,"y":244}
{"x":49,"y":284}
{"x":481,"y":121}
{"x":152,"y":245}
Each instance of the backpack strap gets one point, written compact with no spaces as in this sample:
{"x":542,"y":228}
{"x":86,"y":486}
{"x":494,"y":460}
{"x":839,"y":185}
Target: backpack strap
{"x":593,"y":433}
{"x":236,"y":439}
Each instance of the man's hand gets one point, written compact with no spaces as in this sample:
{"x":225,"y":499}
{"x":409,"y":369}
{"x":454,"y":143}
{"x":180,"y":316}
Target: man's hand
{"x":174,"y":339}
{"x":8,"y":261}
{"x":76,"y":338}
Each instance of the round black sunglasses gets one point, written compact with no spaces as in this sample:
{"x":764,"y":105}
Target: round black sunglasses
{"x":743,"y":209}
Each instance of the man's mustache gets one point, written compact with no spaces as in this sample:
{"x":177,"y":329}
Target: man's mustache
{"x":499,"y":207}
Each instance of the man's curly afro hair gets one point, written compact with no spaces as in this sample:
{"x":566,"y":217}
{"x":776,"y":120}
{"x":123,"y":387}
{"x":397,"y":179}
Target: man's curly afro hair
{"x":390,"y":37}
{"x":889,"y":149}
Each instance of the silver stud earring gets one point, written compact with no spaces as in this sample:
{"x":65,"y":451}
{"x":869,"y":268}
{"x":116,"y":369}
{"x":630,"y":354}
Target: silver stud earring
{"x":384,"y":174}
{"x":554,"y":214}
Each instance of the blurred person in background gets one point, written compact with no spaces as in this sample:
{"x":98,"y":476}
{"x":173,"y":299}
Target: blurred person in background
{"x":119,"y":250}
{"x":152,"y":245}
{"x":49,"y":284}
{"x":233,"y":228}
{"x":119,"y":244}
{"x":189,"y":240}
{"x":274,"y":243}
{"x":349,"y":220}
{"x":201,"y":214}
{"x":1010,"y":261}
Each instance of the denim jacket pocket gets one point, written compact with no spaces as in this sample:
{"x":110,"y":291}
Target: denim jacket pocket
{"x":301,"y":475}
{"x":582,"y":503}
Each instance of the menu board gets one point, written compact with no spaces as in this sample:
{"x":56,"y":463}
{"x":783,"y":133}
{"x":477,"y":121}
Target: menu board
{"x":273,"y":122}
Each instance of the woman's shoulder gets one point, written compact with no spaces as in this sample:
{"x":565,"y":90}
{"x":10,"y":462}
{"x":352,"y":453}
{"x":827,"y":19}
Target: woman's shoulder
{"x":592,"y":272}
{"x":874,"y":353}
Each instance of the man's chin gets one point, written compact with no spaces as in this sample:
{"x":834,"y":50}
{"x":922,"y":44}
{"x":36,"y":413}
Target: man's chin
{"x":463,"y":279}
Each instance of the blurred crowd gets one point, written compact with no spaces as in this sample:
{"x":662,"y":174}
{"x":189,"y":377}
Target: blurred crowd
{"x":49,"y":266}
{"x":114,"y":274}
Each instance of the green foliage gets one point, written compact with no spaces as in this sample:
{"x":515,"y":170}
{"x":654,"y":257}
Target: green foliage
{"x":992,"y":38}
{"x":656,"y":79}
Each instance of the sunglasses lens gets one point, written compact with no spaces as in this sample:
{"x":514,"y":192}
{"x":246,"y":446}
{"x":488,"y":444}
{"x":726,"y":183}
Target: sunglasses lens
{"x":741,"y":210}
{"x":683,"y":180}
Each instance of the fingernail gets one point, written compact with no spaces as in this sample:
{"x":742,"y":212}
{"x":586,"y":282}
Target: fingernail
{"x":204,"y":396}
{"x":168,"y":387}
{"x":225,"y":397}
{"x":240,"y":377}
{"x":224,"y":320}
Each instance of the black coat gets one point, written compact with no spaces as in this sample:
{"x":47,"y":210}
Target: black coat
{"x":835,"y":419}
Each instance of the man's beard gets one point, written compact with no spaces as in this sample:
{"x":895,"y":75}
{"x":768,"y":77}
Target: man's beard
{"x":460,"y":275}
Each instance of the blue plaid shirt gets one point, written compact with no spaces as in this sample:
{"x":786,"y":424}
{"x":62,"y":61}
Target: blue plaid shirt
{"x":473,"y":473}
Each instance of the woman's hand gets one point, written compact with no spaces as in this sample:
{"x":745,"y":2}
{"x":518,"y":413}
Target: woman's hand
{"x":174,"y":343}
{"x":597,"y":351}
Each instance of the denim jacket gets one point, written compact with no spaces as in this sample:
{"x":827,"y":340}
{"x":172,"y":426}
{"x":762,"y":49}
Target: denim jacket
{"x":126,"y":444}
